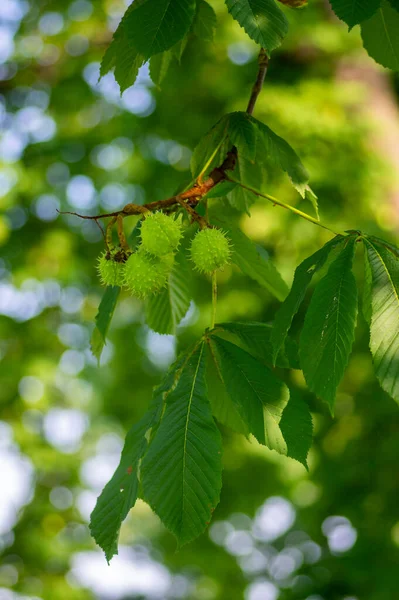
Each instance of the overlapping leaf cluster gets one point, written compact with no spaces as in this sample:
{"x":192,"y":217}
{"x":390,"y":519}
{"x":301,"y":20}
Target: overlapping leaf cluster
{"x":172,"y":457}
{"x":157,"y":31}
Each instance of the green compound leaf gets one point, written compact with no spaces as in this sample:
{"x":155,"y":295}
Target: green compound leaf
{"x":153,"y":26}
{"x":181,"y":471}
{"x":262,"y":20}
{"x":121,"y":492}
{"x":256,"y":338}
{"x":380,"y":36}
{"x":329,"y":329}
{"x":103,"y":319}
{"x":255,"y":262}
{"x":384,"y":327}
{"x":165,"y":310}
{"x":354,"y":12}
{"x":223,"y":408}
{"x":259,"y":396}
{"x":302,"y":278}
{"x":297,"y":428}
{"x":204,"y":22}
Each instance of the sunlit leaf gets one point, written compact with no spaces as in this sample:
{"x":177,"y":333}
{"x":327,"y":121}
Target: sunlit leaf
{"x":384,"y":326}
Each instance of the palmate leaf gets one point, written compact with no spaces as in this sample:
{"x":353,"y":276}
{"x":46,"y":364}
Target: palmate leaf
{"x":302,"y":278}
{"x":297,"y":428}
{"x":256,"y":338}
{"x":259,"y":396}
{"x":329,"y":329}
{"x":384,"y":326}
{"x":165,"y":310}
{"x":181,"y":471}
{"x":103,"y":319}
{"x":354,"y":11}
{"x":262,"y":20}
{"x":204,"y":22}
{"x":153,"y":26}
{"x":121,"y":492}
{"x":380,"y":36}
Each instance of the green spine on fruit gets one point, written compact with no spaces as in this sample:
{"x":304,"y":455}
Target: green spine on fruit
{"x":146,"y":274}
{"x":111,"y":272}
{"x":160,"y":234}
{"x":210,"y":250}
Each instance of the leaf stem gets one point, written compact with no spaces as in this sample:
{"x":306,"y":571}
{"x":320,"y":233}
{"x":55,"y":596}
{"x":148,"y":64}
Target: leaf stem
{"x":214,"y":298}
{"x":274,"y":201}
{"x":263,"y":61}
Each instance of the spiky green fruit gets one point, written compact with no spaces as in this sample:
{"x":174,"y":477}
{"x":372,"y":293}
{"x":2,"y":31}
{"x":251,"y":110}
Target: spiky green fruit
{"x":111,"y":271}
{"x":210,"y":250}
{"x":160,"y":234}
{"x":146,"y":274}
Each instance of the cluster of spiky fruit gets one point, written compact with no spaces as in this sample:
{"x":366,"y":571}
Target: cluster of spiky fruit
{"x":210,"y":250}
{"x":145,"y":271}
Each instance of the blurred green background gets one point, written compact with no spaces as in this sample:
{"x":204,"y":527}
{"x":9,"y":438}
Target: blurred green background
{"x":70,"y":142}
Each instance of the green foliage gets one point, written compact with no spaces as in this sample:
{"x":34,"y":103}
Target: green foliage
{"x":354,"y":12}
{"x":172,"y":456}
{"x":382,"y":300}
{"x":254,"y":262}
{"x":329,"y":329}
{"x":297,"y":428}
{"x":258,"y":148}
{"x":274,"y":151}
{"x":223,"y":407}
{"x":159,"y":66}
{"x":122,"y":56}
{"x":258,"y":395}
{"x":205,"y":21}
{"x":103,"y":319}
{"x":256,"y":338}
{"x":121,"y":492}
{"x":262,"y":20}
{"x":153,"y":26}
{"x":380,"y":36}
{"x":165,"y":310}
{"x":302,"y":278}
{"x":181,"y":471}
